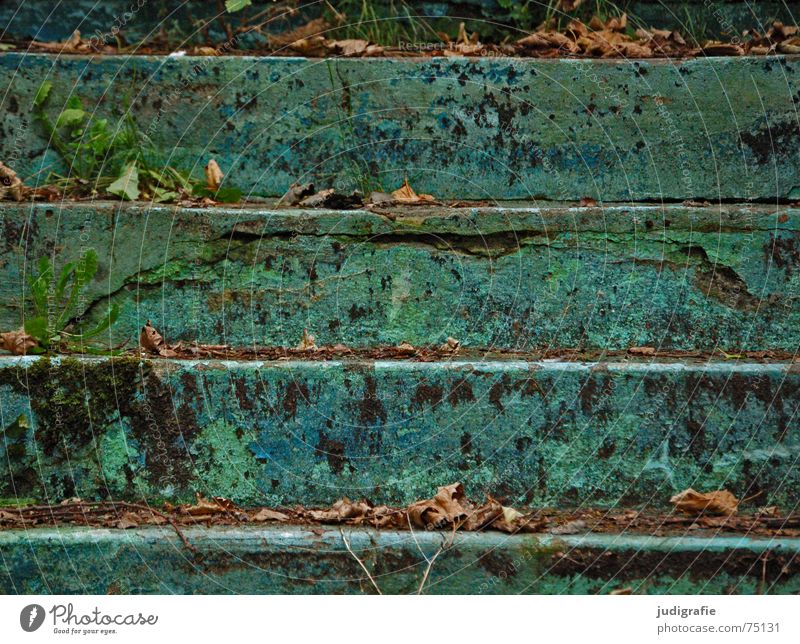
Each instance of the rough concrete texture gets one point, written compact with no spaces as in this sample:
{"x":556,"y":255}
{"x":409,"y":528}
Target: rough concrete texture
{"x":296,"y":560}
{"x":459,"y":128}
{"x":540,"y":276}
{"x":542,"y":434}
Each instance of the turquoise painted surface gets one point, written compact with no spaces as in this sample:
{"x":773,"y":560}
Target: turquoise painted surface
{"x":541,"y":434}
{"x":290,"y":560}
{"x":498,"y":128}
{"x":541,"y":276}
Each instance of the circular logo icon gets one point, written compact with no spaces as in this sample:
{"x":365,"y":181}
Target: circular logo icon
{"x":31,"y":617}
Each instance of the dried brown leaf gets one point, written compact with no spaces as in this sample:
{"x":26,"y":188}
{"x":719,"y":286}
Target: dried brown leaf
{"x":314,"y":47}
{"x":10,"y":184}
{"x":206,"y":507}
{"x":406,"y":194}
{"x":153,"y":342}
{"x":265,"y":514}
{"x":308,"y":342}
{"x":451,"y":345}
{"x":127,"y":520}
{"x":296,"y":193}
{"x":348,"y":47}
{"x":571,"y":527}
{"x":718,"y":502}
{"x":714,"y":48}
{"x":17,"y":342}
{"x":214,"y":175}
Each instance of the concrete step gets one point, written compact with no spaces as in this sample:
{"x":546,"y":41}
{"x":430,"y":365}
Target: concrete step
{"x":500,"y":128}
{"x":298,"y":560}
{"x":514,"y":276}
{"x":540,"y":433}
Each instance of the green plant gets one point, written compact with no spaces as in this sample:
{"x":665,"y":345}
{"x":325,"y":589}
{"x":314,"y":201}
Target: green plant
{"x":393,"y":25}
{"x":118,"y":160}
{"x":54,"y":302}
{"x":232,"y":6}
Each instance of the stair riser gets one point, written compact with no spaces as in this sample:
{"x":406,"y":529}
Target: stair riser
{"x":459,"y":128}
{"x":294,"y":560}
{"x":677,"y":277}
{"x":562,"y":434}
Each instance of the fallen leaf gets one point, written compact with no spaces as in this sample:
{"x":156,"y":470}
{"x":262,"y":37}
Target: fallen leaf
{"x":307,"y":342}
{"x":446,"y":508}
{"x":714,"y":48}
{"x":451,"y":345}
{"x":406,"y":194}
{"x":127,"y":520}
{"x":314,"y":47}
{"x":351,"y":47}
{"x":152,"y":341}
{"x":204,"y":506}
{"x":789,"y":46}
{"x":204,"y":51}
{"x":381,"y":198}
{"x":406,"y":348}
{"x":127,"y":184}
{"x":296,"y":193}
{"x":329,"y":198}
{"x":73,"y":43}
{"x":266,"y":514}
{"x":342,"y":510}
{"x":717,"y":502}
{"x":17,"y":342}
{"x":571,"y":527}
{"x":10,"y":183}
{"x":768,"y":511}
{"x":214,"y":175}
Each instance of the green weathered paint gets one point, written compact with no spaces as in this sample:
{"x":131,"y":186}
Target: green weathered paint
{"x":290,"y":559}
{"x":459,"y":128}
{"x":539,"y":276}
{"x":535,"y":433}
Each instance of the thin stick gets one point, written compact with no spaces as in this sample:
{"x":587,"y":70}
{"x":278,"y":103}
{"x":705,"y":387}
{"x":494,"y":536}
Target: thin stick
{"x":445,"y":544}
{"x":428,"y":569}
{"x":360,"y":563}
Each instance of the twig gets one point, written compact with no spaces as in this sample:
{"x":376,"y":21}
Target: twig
{"x":428,"y":569}
{"x":169,"y":520}
{"x":360,"y":563}
{"x":445,"y":545}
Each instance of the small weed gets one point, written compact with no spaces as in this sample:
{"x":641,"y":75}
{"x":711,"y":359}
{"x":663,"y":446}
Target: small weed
{"x":394,"y":24}
{"x":54,"y":302}
{"x":117,"y":160}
